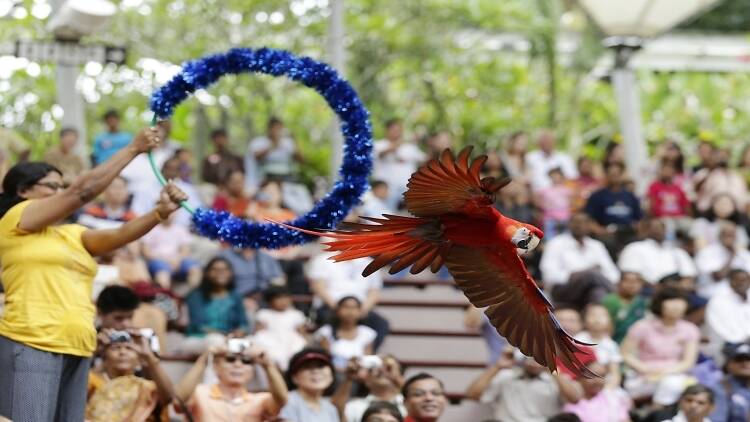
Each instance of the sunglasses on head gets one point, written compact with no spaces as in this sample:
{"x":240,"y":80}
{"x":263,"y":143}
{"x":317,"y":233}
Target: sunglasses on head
{"x":233,"y":358}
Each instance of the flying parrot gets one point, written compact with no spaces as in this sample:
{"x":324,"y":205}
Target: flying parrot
{"x":455,"y":224}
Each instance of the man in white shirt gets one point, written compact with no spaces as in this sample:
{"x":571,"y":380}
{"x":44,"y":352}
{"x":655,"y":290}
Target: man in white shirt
{"x":654,"y":258}
{"x":395,"y":161}
{"x":332,"y":281}
{"x":696,"y":403}
{"x":716,"y":260}
{"x":541,"y":161}
{"x":728,"y":311}
{"x":575,"y":251}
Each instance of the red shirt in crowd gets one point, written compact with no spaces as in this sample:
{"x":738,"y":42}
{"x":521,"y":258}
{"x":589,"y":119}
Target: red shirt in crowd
{"x":667,"y":200}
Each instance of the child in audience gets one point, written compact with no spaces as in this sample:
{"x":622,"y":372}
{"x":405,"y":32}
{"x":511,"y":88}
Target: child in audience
{"x":345,"y":337}
{"x":280,"y":328}
{"x":598,"y":330}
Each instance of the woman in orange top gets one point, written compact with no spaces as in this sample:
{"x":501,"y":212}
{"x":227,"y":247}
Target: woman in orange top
{"x":47,"y":332}
{"x":233,"y":198}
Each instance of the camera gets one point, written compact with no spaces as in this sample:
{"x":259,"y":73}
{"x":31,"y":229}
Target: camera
{"x":370,"y":362}
{"x":237,"y":345}
{"x":120,"y":337}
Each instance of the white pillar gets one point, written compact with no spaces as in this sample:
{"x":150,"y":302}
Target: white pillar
{"x":337,"y":59}
{"x":629,"y":111}
{"x":70,"y":99}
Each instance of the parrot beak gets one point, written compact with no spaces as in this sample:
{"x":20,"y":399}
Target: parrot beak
{"x":525,"y":240}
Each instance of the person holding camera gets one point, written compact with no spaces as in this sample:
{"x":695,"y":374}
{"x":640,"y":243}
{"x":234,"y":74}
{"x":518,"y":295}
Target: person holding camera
{"x":383,"y":377}
{"x":47,"y":334}
{"x":228,"y":400}
{"x":123,"y":395}
{"x":521,"y":390}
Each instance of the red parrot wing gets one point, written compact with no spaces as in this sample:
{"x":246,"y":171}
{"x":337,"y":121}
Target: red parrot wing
{"x":516,"y":307}
{"x":450,"y":185}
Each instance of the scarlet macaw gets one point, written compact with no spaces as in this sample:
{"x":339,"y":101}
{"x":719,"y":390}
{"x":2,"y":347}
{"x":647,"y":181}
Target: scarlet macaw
{"x":456,"y":225}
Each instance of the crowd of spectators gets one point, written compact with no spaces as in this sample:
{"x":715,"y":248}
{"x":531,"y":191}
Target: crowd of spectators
{"x":655,"y":273}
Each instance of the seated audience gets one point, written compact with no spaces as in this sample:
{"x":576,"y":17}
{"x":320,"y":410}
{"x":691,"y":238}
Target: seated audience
{"x":167,"y":249}
{"x":715,"y":261}
{"x":382,"y":411}
{"x":219,"y":165}
{"x":728,"y":311}
{"x":705,"y":230}
{"x":332,"y":281}
{"x":121,"y":395}
{"x":695,"y":404}
{"x":232,"y":198}
{"x":732,"y":391}
{"x":660,"y":351}
{"x":603,"y":399}
{"x":214,"y":310}
{"x":345,"y":337}
{"x":64,"y":156}
{"x":375,"y":201}
{"x":626,"y":305}
{"x":520,"y":390}
{"x":666,"y":199}
{"x":597,"y":330}
{"x":576,"y":268}
{"x":424,"y":398}
{"x":280,"y":328}
{"x":382,"y":376}
{"x":112,"y":210}
{"x":254,"y":271}
{"x":554,"y":202}
{"x":310,"y":375}
{"x":228,"y":400}
{"x":118,"y":308}
{"x":614,"y":209}
{"x":654,"y":257}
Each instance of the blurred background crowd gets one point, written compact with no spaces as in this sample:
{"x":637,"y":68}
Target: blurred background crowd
{"x":653,"y":268}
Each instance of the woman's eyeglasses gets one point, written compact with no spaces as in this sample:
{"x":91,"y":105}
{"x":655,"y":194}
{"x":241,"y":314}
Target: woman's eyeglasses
{"x":245,"y":360}
{"x":52,"y":185}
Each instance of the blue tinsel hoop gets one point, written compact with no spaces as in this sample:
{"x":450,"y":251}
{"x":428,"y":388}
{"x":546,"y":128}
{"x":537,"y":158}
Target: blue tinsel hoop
{"x":339,"y":95}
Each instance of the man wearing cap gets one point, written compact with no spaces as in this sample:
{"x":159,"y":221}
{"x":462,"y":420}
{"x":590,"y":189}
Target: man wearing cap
{"x":732,"y":392}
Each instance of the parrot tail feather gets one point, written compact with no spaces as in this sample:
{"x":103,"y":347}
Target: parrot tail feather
{"x":398,"y":241}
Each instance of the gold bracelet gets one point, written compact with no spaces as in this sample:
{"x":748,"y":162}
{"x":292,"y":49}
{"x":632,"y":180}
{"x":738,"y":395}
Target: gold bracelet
{"x":158,"y":216}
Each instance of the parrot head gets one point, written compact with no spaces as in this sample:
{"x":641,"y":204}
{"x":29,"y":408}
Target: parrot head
{"x":526,"y":237}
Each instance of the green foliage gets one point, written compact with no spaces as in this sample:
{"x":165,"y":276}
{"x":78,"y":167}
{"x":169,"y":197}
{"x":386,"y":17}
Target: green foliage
{"x":431,"y":62}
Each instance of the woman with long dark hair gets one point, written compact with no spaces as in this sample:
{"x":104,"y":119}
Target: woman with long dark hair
{"x":47,"y":334}
{"x":214,"y":309}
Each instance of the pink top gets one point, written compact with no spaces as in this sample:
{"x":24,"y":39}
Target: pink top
{"x":609,"y":405}
{"x":659,"y":345}
{"x":556,"y":202}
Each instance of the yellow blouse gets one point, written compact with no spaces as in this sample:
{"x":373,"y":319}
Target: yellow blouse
{"x":47,"y":277}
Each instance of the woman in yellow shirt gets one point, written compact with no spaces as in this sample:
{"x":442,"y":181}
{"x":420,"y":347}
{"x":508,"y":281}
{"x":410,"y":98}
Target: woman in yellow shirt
{"x":47,"y":334}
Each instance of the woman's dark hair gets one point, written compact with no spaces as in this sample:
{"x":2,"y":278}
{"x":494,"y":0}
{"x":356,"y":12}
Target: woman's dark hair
{"x":206,"y":284}
{"x":20,"y":177}
{"x":679,"y":162}
{"x":335,"y":322}
{"x":664,"y":294}
{"x":293,"y":366}
{"x":698,"y":389}
{"x":379,"y":407}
